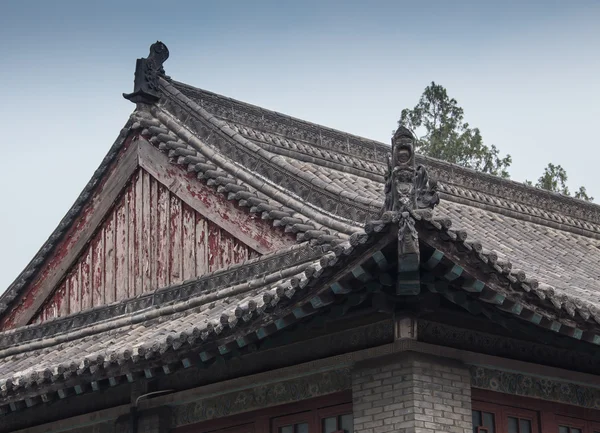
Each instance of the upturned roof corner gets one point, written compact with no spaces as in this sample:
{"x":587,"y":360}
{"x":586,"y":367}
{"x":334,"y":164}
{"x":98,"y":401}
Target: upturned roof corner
{"x":407,"y":189}
{"x":147,"y":72}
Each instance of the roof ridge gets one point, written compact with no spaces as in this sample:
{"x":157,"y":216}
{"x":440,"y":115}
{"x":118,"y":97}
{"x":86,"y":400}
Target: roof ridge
{"x":229,"y":108}
{"x":362,"y":140}
{"x":266,"y":165}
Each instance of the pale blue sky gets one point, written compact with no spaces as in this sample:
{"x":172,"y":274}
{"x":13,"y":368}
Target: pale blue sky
{"x":526,"y":74}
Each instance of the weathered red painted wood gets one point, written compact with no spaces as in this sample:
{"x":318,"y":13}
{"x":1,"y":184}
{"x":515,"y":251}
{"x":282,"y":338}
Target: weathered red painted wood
{"x":240,"y":252}
{"x":61,"y":299}
{"x":74,"y":290}
{"x":132,"y":260}
{"x":189,"y":243}
{"x":214,"y":254}
{"x":149,"y":239}
{"x":162,"y":271}
{"x":152,"y":245}
{"x":201,"y":241}
{"x":138,"y":268}
{"x":109,"y":261}
{"x":147,"y":261}
{"x":121,"y":265}
{"x":46,"y":312}
{"x":226,"y":249}
{"x":86,"y":280}
{"x":74,"y":241}
{"x":50,"y":310}
{"x":175,"y":240}
{"x":253,"y":231}
{"x":98,"y":269}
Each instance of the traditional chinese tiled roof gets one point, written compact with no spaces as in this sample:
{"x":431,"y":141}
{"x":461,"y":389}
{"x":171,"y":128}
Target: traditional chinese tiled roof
{"x":212,"y":315}
{"x":232,"y":308}
{"x":540,"y":250}
{"x":493,"y":211}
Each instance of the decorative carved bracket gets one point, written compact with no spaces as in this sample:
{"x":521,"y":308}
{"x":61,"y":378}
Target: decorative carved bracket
{"x":147,"y":72}
{"x":405,"y":328}
{"x":407,"y":189}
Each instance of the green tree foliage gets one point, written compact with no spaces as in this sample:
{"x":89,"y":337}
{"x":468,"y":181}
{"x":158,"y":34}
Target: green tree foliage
{"x":582,"y":194}
{"x":555,"y":178}
{"x":447,"y":136}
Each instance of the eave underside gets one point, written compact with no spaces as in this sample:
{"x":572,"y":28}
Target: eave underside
{"x":205,"y":321}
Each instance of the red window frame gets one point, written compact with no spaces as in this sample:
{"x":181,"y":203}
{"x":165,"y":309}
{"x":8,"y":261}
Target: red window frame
{"x":337,"y":411}
{"x":571,"y":423}
{"x":244,"y":428}
{"x":502,"y":413}
{"x":307,"y":417}
{"x":548,"y":416}
{"x":519,"y":413}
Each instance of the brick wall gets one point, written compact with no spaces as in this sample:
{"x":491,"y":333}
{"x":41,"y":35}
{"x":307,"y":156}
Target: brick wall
{"x":412,"y":394}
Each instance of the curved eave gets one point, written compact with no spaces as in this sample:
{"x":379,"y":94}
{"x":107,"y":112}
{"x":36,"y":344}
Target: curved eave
{"x":201,"y":328}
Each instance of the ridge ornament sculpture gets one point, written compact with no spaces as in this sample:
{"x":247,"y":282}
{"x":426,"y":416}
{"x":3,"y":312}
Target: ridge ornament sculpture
{"x":147,"y":72}
{"x":407,"y":191}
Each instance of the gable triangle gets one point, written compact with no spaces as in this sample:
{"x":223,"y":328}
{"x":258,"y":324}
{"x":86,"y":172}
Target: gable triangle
{"x":148,"y":225}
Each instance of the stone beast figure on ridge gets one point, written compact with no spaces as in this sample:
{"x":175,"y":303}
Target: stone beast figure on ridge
{"x":407,"y":186}
{"x":407,"y":189}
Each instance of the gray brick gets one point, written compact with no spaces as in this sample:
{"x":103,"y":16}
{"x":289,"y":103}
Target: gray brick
{"x":412,"y":396}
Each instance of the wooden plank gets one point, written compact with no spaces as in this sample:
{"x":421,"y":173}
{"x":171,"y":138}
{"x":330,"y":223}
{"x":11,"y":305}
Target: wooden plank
{"x":98,"y":269}
{"x":175,"y":248}
{"x":121,"y":265}
{"x":146,"y":228}
{"x":52,"y":309}
{"x":226,"y":248}
{"x":75,"y":239}
{"x":259,"y":234}
{"x":214,"y":251}
{"x":201,"y":239}
{"x":189,"y":243}
{"x":74,"y":290}
{"x":44,"y":313}
{"x":239,"y":252}
{"x":109,"y":260}
{"x":132,"y":258}
{"x":62,"y":301}
{"x":162,"y":262}
{"x":153,"y":210}
{"x":138,"y":246}
{"x":86,"y":280}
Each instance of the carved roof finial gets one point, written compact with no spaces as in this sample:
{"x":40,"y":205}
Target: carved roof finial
{"x":147,"y":72}
{"x":407,"y":186}
{"x":407,"y":189}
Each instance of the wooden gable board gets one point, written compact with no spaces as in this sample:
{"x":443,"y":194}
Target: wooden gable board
{"x":149,"y":224}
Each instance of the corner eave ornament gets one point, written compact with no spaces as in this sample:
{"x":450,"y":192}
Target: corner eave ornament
{"x":408,"y":190}
{"x":147,"y":73}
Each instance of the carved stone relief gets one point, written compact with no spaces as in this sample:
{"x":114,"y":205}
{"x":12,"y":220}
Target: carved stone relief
{"x":535,"y":387}
{"x":262,"y":396}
